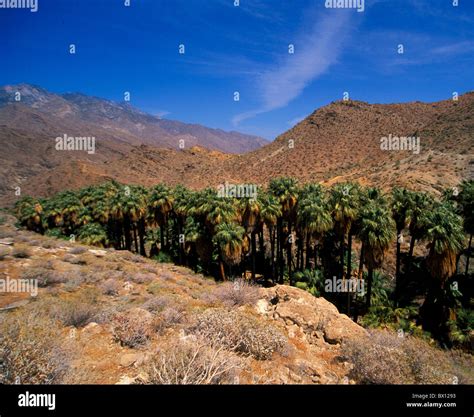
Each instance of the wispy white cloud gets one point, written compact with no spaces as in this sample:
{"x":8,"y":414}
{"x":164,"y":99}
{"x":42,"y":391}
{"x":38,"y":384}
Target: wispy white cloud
{"x":315,"y":51}
{"x":296,"y":120}
{"x":162,"y":113}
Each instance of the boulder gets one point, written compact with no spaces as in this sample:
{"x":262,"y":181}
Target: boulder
{"x":315,"y":316}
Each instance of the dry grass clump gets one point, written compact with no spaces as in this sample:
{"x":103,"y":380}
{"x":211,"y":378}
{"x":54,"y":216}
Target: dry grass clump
{"x":241,"y":333}
{"x":157,"y":304}
{"x":77,"y":311}
{"x":110,"y":287}
{"x":132,"y":328}
{"x":169,"y":317}
{"x":44,"y":277}
{"x":234,"y":294}
{"x":74,"y":260}
{"x":384,"y":358}
{"x":21,"y":252}
{"x":4,"y":252}
{"x":31,"y":350}
{"x":191,"y":363}
{"x":140,"y":278}
{"x":77,"y":250}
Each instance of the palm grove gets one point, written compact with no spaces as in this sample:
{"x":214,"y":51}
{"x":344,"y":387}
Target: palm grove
{"x":299,"y":235}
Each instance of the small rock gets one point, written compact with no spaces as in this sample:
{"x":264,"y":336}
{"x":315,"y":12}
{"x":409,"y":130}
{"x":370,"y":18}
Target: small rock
{"x":130,"y":358}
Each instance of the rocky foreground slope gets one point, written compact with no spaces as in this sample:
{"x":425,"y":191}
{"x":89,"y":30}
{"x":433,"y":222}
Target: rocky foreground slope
{"x":110,"y":317}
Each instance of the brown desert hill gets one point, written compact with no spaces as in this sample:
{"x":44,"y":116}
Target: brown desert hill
{"x":338,"y":142}
{"x":342,"y":142}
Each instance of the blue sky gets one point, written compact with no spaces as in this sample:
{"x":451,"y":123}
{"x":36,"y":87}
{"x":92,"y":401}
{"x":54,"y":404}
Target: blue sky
{"x":244,"y":49}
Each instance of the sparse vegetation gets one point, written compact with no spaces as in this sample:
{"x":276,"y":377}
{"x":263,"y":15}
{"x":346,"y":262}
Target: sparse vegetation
{"x":191,"y":363}
{"x":32,"y":350}
{"x":240,"y":333}
{"x":132,"y":328}
{"x":385,"y":358}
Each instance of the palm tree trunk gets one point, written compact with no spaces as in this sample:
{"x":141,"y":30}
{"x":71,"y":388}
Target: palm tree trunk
{"x":410,"y":253}
{"x":222,"y":270}
{"x":341,"y":256}
{"x":397,"y":268}
{"x":370,"y":277}
{"x":280,"y":251}
{"x":349,"y":271}
{"x":272,"y":249}
{"x":289,"y":254}
{"x":361,"y":262}
{"x":128,"y":238}
{"x":135,"y":239}
{"x":254,"y":248}
{"x":162,"y":237}
{"x":349,"y":256}
{"x":468,"y":255}
{"x":308,"y":251}
{"x":141,"y":235}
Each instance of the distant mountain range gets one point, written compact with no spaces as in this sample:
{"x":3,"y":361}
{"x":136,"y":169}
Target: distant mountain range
{"x":85,"y":115}
{"x":338,"y":142}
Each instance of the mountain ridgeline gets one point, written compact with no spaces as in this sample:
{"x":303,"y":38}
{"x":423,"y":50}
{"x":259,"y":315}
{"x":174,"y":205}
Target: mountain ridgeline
{"x":336,"y":143}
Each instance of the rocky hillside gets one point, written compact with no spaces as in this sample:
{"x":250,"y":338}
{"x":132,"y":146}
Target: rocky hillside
{"x":111,"y":317}
{"x":338,"y":142}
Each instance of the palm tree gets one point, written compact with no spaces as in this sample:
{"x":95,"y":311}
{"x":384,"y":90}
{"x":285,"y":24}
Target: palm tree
{"x":446,"y":236}
{"x":466,"y":202}
{"x":314,"y":217}
{"x":344,"y":202}
{"x":377,"y":230}
{"x":286,"y":192}
{"x":270,"y":212}
{"x":401,"y":204}
{"x":93,"y":234}
{"x":160,"y":206}
{"x":252,"y":223}
{"x":420,"y":205}
{"x":29,"y":212}
{"x":181,"y":200}
{"x":229,"y":240}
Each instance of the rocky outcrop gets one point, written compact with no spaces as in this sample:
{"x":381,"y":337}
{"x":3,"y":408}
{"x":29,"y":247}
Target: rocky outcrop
{"x":300,"y":312}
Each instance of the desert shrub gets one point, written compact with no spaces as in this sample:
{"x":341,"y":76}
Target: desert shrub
{"x":385,"y":358}
{"x":169,"y":317}
{"x":77,"y":311}
{"x":240,"y":332}
{"x":74,"y":260}
{"x":77,"y":250}
{"x":132,"y":257}
{"x":21,"y":251}
{"x":31,"y":350}
{"x":131,"y":328}
{"x":43,"y":276}
{"x":149,"y":268}
{"x":237,"y":293}
{"x":2,"y":220}
{"x":140,"y":278}
{"x":154,"y":288}
{"x":157,"y":304}
{"x":3,"y":253}
{"x":110,"y":287}
{"x":191,"y":363}
{"x":49,"y":244}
